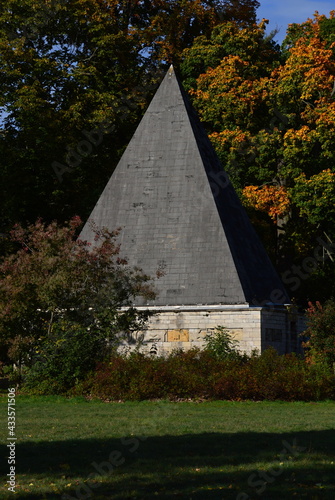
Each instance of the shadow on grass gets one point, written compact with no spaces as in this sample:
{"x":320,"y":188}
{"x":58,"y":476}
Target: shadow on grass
{"x":193,"y":466}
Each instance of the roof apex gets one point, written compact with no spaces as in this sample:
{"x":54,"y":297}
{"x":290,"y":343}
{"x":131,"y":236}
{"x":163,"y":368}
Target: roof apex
{"x":180,"y":214}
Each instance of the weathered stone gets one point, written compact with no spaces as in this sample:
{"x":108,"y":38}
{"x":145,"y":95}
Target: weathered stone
{"x":178,"y":335}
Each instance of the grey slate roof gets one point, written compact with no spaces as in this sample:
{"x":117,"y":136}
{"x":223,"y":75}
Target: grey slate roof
{"x":178,"y":211}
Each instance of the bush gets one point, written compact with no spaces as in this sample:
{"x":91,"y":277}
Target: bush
{"x":320,"y":333}
{"x":138,"y":377}
{"x":271,"y":376}
{"x":221,"y":345}
{"x":199,"y":374}
{"x":63,"y":359}
{"x":59,"y":296}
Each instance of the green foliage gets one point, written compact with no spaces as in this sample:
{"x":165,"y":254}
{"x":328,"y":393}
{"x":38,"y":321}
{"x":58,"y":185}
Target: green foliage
{"x":60,"y":301}
{"x":327,"y":31}
{"x":315,"y":198}
{"x":221,"y":345}
{"x":62,"y":359}
{"x":320,"y":333}
{"x":296,"y":31}
{"x":277,"y":112}
{"x":229,"y":40}
{"x":72,"y":67}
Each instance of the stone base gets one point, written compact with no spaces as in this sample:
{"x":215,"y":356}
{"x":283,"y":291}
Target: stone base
{"x":185,"y":327}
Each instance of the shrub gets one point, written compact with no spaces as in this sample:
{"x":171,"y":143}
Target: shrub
{"x":199,"y":374}
{"x":274,"y":377}
{"x":320,"y":333}
{"x":63,"y":358}
{"x":221,"y":344}
{"x":55,"y":289}
{"x":138,"y":377}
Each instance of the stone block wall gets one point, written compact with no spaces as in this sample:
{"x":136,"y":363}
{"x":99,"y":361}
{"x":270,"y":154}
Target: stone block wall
{"x":185,"y":327}
{"x":281,"y":328}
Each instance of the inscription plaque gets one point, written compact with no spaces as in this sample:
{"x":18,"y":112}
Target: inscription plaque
{"x":178,"y":335}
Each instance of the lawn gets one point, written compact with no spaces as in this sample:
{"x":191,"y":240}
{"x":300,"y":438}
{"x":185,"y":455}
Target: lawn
{"x":68,"y":449}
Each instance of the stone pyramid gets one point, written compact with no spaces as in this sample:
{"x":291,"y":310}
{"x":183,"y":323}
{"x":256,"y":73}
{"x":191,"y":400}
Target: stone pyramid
{"x":179,"y":213}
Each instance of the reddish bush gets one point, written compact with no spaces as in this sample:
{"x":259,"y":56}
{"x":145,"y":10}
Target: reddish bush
{"x":197,"y":374}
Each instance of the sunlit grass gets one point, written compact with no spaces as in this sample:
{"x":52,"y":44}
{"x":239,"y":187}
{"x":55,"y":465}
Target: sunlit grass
{"x":161,"y":449}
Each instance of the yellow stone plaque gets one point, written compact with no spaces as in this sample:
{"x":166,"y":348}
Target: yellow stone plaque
{"x":178,"y":336}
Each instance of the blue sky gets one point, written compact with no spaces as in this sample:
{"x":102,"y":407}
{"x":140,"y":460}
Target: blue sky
{"x":283,"y":12}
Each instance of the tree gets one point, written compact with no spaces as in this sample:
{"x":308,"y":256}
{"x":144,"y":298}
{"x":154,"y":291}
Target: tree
{"x":270,"y":116}
{"x":241,"y":11}
{"x":272,"y":200}
{"x":315,"y":198}
{"x":60,"y":299}
{"x":76,"y":78}
{"x":281,"y":113}
{"x":69,"y":72}
{"x":321,"y":26}
{"x":228,"y":41}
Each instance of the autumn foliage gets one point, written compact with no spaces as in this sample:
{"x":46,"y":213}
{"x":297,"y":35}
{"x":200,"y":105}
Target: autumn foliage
{"x":60,"y":300}
{"x":272,"y":200}
{"x":270,"y":113}
{"x":200,"y":375}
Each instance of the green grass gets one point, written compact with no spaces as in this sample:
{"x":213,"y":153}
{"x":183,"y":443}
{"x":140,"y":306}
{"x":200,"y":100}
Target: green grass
{"x":188,"y":450}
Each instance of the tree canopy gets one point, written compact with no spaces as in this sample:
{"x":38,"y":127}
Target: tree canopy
{"x":270,"y":114}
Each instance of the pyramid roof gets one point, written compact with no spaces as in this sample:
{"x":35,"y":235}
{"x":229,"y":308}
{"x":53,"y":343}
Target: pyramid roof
{"x":180,"y":213}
